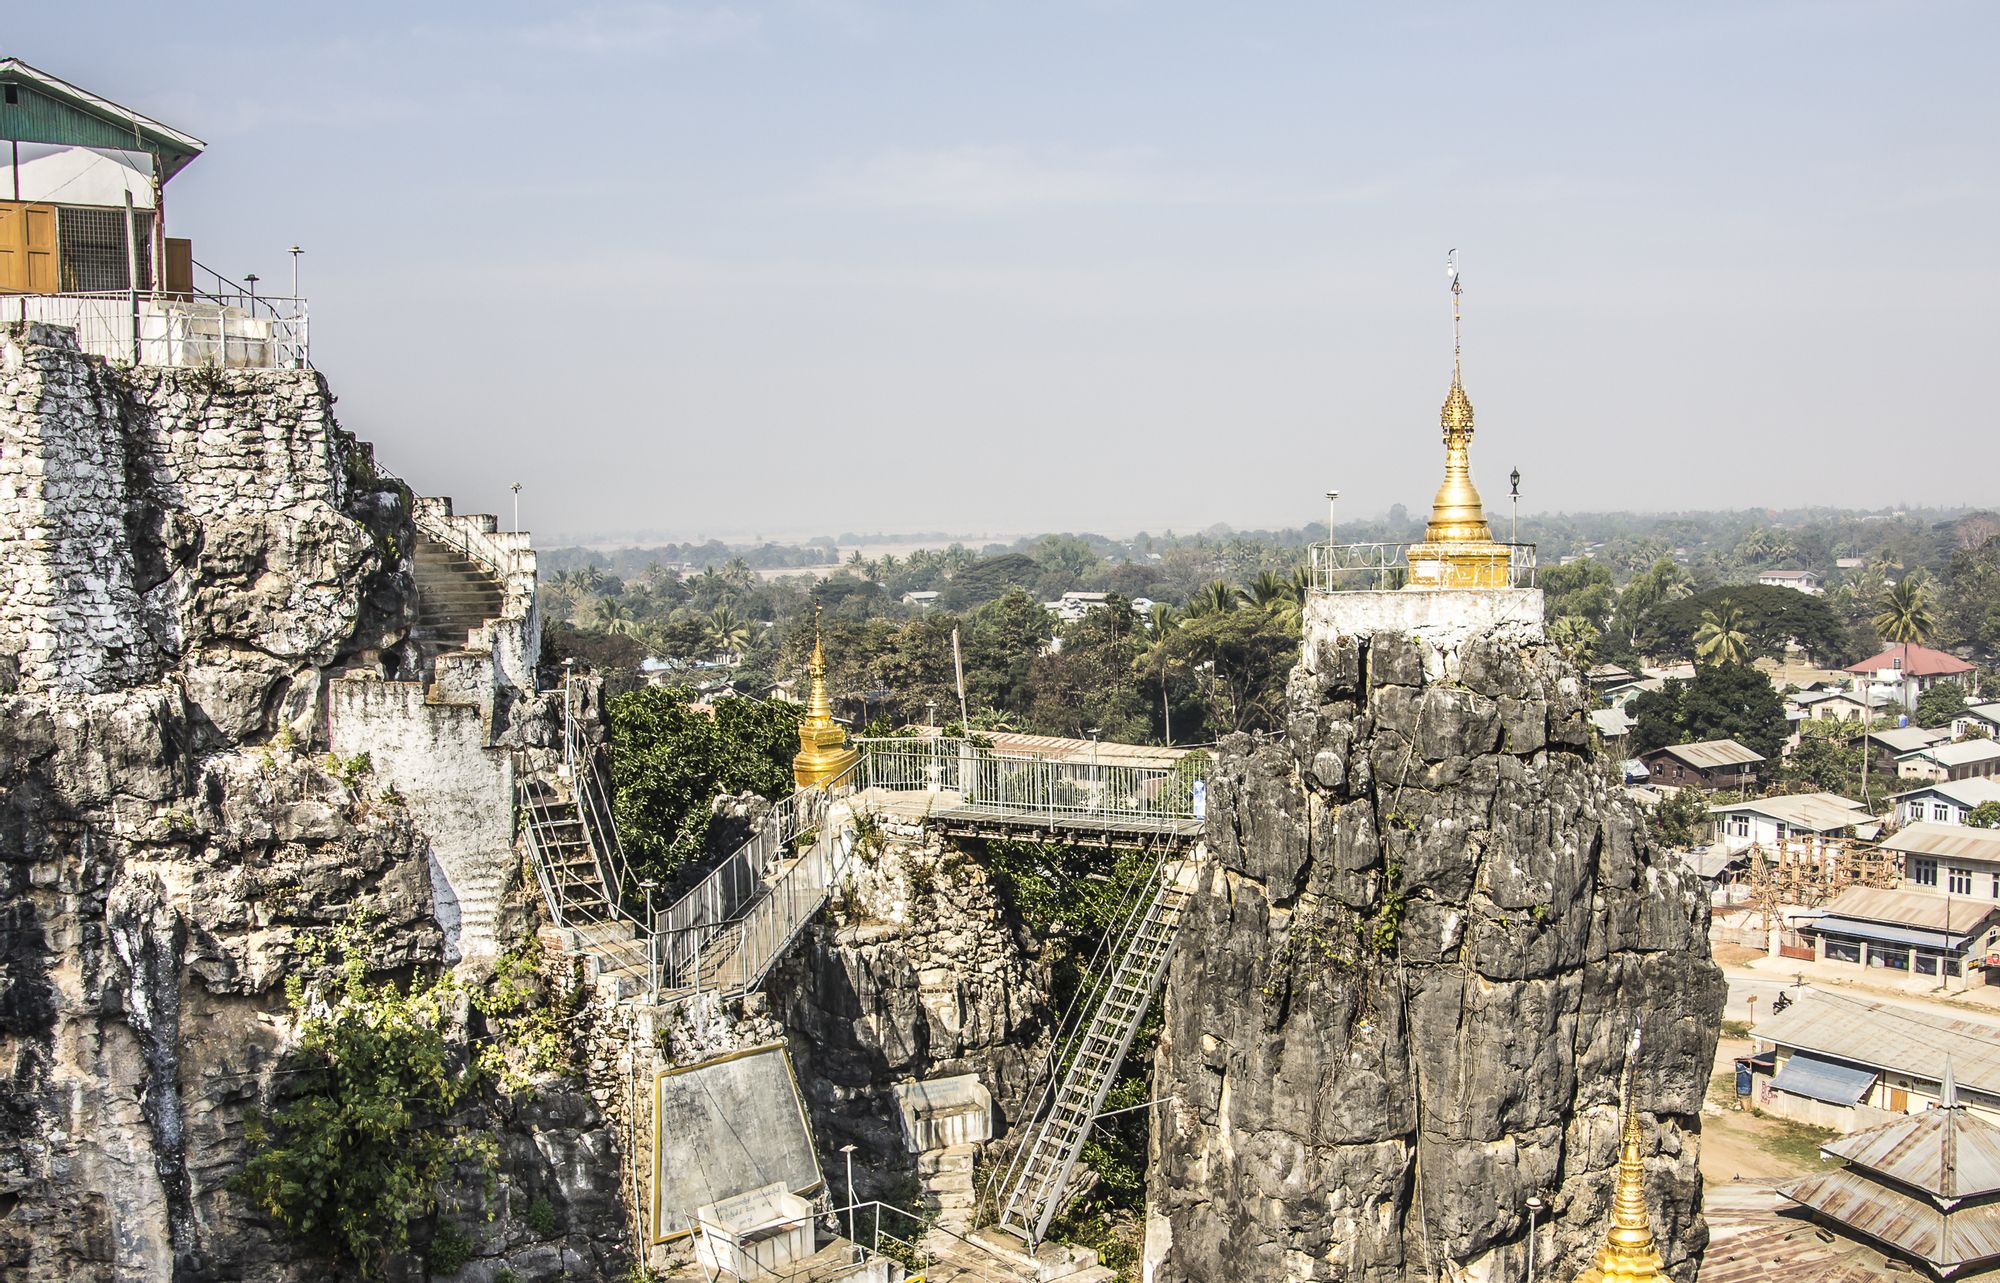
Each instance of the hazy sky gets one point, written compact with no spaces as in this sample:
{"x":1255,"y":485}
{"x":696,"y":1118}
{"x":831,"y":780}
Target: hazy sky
{"x":732,"y":269}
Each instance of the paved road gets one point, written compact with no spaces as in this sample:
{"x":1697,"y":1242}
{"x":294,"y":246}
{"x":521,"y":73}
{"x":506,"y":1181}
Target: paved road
{"x":1742,"y":988}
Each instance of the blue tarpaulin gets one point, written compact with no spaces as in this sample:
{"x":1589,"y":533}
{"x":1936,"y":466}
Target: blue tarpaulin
{"x":1807,"y":1075}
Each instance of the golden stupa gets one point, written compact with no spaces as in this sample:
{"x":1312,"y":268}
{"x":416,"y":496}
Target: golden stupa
{"x":1628,"y":1254}
{"x":1458,"y":549}
{"x":823,"y":748}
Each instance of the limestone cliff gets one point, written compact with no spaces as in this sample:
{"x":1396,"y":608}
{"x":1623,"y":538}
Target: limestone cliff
{"x":1401,"y":1000}
{"x":191,"y":555}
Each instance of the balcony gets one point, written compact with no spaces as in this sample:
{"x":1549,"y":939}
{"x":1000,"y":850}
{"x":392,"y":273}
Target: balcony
{"x":225,"y":329}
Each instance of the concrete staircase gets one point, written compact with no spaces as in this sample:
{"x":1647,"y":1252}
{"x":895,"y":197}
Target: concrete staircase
{"x":454,"y":596}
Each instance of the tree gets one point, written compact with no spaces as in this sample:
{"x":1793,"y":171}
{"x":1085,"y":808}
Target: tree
{"x":1906,"y":616}
{"x":1771,"y":618}
{"x":1824,"y":761}
{"x":1217,"y":597}
{"x":1660,"y":584}
{"x":1240,"y":660}
{"x":1680,"y":819}
{"x":1583,"y":588}
{"x":727,"y":633}
{"x":1940,"y":704}
{"x":990,"y":578}
{"x":670,"y":760}
{"x":1971,"y":609}
{"x":1724,"y":701}
{"x":1721,"y":638}
{"x":1984,"y":816}
{"x":1574,"y":636}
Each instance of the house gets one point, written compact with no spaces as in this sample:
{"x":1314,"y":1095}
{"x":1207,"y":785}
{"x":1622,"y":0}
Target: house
{"x":923,"y":599}
{"x":1919,"y":938}
{"x":1850,"y":563}
{"x":1621,"y":695}
{"x":1804,"y":581}
{"x":1856,"y":1063}
{"x":1953,"y":859}
{"x":1884,"y":748}
{"x":1907,"y":670}
{"x":1956,"y":760}
{"x":1606,"y":676}
{"x":1978,"y":719}
{"x":1841,"y":705}
{"x":1072,"y":606}
{"x":1944,"y":802}
{"x":1612,"y":726}
{"x":1926,"y":1185}
{"x":1710,"y":764}
{"x":84,"y":244}
{"x":1769,"y":821}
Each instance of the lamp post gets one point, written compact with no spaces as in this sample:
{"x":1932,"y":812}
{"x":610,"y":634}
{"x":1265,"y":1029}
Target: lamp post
{"x":1331,"y":495}
{"x":250,"y":280}
{"x":517,"y":507}
{"x":1514,"y":477}
{"x":295,"y":251}
{"x":1096,"y":785}
{"x":849,"y":1151}
{"x":1535,"y":1208}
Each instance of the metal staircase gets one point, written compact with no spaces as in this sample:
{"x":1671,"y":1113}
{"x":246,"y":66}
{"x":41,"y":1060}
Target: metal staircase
{"x":1037,"y":1181}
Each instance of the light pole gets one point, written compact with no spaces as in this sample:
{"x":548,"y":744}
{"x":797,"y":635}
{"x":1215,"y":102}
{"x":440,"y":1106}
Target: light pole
{"x":1535,"y":1207}
{"x":250,"y":280}
{"x":1514,"y":536}
{"x":295,"y":251}
{"x":1096,"y":785}
{"x":1331,"y":495}
{"x":517,"y":507}
{"x":849,"y":1151}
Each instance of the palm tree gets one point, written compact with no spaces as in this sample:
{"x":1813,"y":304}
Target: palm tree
{"x":1574,"y":636}
{"x":1300,"y":585}
{"x":1721,"y":639}
{"x":1907,"y":617}
{"x":1269,"y":588}
{"x":727,"y":633}
{"x":1216,"y":597}
{"x":613,"y":617}
{"x":1155,"y":659}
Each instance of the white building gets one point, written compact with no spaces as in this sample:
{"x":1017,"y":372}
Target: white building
{"x":1769,"y":821}
{"x":1944,"y":801}
{"x":1950,"y":860}
{"x":1958,"y":760}
{"x":1804,"y":581}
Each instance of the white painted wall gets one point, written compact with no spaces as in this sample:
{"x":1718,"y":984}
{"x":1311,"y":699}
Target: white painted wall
{"x":60,"y":175}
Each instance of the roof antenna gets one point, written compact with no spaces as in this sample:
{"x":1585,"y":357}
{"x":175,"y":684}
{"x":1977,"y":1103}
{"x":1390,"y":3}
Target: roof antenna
{"x":1451,"y":274}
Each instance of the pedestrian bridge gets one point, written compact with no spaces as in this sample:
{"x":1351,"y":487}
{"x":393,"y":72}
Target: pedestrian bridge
{"x":1008,"y":785}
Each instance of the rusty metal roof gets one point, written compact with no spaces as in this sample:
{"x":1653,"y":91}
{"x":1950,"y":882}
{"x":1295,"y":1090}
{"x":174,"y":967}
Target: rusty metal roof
{"x":1952,"y":1153}
{"x":1709,"y":754}
{"x":1947,"y":1240}
{"x":1952,"y":841}
{"x":1910,"y":1040}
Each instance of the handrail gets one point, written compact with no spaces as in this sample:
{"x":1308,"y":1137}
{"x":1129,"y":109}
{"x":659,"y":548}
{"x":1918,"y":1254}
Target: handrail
{"x":1382,"y":566}
{"x":1029,"y":783}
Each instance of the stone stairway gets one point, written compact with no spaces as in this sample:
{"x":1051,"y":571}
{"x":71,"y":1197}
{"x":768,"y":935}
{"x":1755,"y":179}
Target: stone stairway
{"x":454,"y":596}
{"x":1039,"y":1179}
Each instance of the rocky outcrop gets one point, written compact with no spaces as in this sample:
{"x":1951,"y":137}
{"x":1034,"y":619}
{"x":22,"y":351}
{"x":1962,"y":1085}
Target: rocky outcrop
{"x":915,"y":973}
{"x":1402,"y":998}
{"x":192,"y":554}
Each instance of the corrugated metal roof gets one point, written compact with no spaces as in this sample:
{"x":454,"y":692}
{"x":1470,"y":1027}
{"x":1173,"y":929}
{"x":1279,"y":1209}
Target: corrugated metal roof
{"x":1952,"y":841}
{"x":1817,"y":812}
{"x":1908,"y":739}
{"x":1926,"y":909}
{"x":1854,"y":929}
{"x":1948,"y":1240}
{"x":1961,"y":753}
{"x":1808,"y":1075}
{"x":1953,"y":1153}
{"x":1709,"y":754}
{"x":1884,"y":1035}
{"x":55,"y":111}
{"x":1058,"y":748}
{"x":1980,"y":788}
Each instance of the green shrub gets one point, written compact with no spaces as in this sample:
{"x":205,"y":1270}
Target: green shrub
{"x":541,"y":1218}
{"x":450,"y":1249}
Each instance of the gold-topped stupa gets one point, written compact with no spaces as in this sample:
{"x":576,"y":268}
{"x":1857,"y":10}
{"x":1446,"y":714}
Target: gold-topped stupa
{"x":1629,"y":1254}
{"x":823,"y":748}
{"x":1458,"y":549}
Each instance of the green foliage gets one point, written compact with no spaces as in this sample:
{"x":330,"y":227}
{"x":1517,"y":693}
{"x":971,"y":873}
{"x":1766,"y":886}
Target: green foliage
{"x":1969,"y":611}
{"x":1680,"y":819}
{"x":350,"y":771}
{"x":1767,"y":617}
{"x":1984,"y":816}
{"x":541,"y":1218}
{"x":670,"y":760}
{"x":1907,"y":611}
{"x":1575,"y":636}
{"x":1823,"y":762}
{"x":1724,"y":701}
{"x":528,"y":1006}
{"x":450,"y":1248}
{"x":1580,"y":590}
{"x":356,"y":1148}
{"x":1721,"y":639}
{"x":1940,"y":703}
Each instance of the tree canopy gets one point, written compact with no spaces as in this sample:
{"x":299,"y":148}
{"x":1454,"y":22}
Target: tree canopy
{"x":1723,"y":701}
{"x":1768,"y":617}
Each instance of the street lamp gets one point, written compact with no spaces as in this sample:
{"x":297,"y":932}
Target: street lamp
{"x":517,"y":507}
{"x":250,"y":280}
{"x":295,"y":251}
{"x":849,"y":1151}
{"x":1331,"y":495}
{"x":1535,"y":1208}
{"x":1515,"y":478}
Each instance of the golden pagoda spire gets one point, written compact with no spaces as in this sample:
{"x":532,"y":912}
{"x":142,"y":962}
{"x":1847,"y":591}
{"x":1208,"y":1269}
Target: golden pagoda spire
{"x":1458,"y":549}
{"x":1629,"y":1254}
{"x":823,"y":748}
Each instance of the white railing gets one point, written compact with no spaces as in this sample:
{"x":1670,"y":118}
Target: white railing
{"x":1364,"y":567}
{"x":1028,"y":784}
{"x":228,"y":331}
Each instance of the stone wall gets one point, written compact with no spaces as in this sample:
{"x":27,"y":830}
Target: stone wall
{"x":1402,"y":997}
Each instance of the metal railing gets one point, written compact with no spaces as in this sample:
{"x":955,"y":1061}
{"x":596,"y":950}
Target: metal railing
{"x":1029,"y":784}
{"x":731,"y":926}
{"x":231,"y":331}
{"x":1364,"y":567}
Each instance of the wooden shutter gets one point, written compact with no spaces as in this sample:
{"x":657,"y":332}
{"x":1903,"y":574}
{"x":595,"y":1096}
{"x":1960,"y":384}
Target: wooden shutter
{"x":27,"y":248}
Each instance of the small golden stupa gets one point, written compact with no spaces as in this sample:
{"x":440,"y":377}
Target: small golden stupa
{"x":1628,"y":1254}
{"x":823,"y":748}
{"x":1458,"y":549}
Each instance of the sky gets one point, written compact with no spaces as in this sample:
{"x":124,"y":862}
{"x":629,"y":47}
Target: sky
{"x":737,"y":270}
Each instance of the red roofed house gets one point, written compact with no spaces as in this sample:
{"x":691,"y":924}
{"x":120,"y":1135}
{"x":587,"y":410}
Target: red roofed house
{"x":1907,"y":670}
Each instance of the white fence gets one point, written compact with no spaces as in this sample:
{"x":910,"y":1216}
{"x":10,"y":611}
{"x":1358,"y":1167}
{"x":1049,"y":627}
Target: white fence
{"x":1022,"y":784}
{"x":1361,"y":567}
{"x":227,"y":331}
